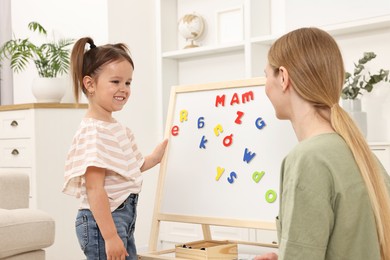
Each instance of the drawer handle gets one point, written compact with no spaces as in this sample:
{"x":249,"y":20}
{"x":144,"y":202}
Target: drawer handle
{"x":14,"y":123}
{"x":15,"y":152}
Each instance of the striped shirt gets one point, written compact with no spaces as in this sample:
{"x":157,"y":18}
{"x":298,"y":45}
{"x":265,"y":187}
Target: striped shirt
{"x":105,"y":145}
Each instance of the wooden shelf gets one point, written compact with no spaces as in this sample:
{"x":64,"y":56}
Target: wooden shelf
{"x":203,"y":51}
{"x":362,"y":25}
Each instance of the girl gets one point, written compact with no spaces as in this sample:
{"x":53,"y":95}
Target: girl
{"x":334,"y":193}
{"x":104,"y":165}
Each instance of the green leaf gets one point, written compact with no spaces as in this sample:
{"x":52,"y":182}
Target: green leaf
{"x":354,"y":84}
{"x":50,"y":58}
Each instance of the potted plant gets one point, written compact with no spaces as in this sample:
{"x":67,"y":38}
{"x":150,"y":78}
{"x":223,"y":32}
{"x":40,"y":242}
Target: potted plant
{"x":356,"y":84}
{"x":51,"y":60}
{"x":361,"y":79}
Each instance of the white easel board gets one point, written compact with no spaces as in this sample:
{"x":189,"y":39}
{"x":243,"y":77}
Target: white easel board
{"x":222,"y":164}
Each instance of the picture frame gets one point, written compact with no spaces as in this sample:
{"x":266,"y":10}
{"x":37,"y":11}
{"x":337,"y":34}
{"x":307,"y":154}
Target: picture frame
{"x":230,"y":25}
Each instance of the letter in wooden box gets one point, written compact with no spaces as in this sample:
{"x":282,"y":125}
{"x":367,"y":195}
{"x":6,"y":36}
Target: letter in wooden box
{"x":202,"y":250}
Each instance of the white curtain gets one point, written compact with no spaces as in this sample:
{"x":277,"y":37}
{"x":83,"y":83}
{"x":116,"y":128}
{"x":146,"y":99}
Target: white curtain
{"x":6,"y":83}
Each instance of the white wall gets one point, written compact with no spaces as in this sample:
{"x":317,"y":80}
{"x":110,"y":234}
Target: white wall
{"x":71,"y":20}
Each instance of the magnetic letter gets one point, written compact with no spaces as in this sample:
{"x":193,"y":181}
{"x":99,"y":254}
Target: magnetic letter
{"x":248,"y":156}
{"x":256,"y":176}
{"x":270,"y":196}
{"x":228,"y":140}
{"x":203,"y":142}
{"x":219,"y":173}
{"x":218,"y":129}
{"x":220,"y":100}
{"x":238,"y":119}
{"x":248,"y":96}
{"x":200,"y":122}
{"x":183,"y":115}
{"x":175,"y":130}
{"x":260,"y":123}
{"x":233,"y":176}
{"x":235,"y":99}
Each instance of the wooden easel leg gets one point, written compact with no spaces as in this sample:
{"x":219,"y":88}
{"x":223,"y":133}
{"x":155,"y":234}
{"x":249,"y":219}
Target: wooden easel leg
{"x":154,"y":234}
{"x":206,"y":232}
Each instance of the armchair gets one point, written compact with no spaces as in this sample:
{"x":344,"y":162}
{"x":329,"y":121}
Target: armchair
{"x":24,"y":232}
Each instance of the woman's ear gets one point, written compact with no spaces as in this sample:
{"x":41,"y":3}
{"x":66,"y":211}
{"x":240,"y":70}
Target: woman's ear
{"x":284,"y":78}
{"x":88,"y":84}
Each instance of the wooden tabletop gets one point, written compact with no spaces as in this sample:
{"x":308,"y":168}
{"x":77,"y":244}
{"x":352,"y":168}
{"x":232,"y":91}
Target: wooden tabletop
{"x":42,"y":105}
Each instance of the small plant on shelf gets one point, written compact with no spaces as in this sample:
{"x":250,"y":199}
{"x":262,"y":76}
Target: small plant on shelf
{"x":361,"y":79}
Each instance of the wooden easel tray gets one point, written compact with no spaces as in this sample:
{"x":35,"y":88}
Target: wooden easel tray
{"x":207,"y":250}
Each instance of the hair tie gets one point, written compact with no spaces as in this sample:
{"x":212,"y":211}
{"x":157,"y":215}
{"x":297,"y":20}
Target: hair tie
{"x":335,"y":106}
{"x":91,"y":46}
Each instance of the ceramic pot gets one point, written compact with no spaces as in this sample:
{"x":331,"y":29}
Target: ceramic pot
{"x":49,"y":90}
{"x":354,"y":109}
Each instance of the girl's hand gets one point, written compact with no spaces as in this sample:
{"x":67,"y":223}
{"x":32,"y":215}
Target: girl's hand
{"x":115,"y":249}
{"x":159,"y":151}
{"x":155,"y":157}
{"x":268,"y":256}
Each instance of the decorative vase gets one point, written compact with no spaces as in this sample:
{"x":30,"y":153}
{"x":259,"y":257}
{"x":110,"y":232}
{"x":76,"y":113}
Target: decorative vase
{"x":354,"y":109}
{"x":49,"y":90}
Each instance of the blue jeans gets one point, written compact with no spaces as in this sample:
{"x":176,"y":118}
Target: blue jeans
{"x":90,"y":238}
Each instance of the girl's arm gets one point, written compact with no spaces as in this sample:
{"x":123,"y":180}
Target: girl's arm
{"x":155,"y":157}
{"x":100,"y":207}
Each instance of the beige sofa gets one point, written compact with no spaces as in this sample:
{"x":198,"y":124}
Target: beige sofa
{"x":24,"y":232}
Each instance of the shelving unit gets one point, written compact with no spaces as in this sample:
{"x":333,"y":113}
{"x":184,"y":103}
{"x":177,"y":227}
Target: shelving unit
{"x":236,"y":60}
{"x":263,"y":22}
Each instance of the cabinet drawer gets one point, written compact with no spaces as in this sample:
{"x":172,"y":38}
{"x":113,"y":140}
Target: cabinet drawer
{"x":16,"y":153}
{"x":16,"y":124}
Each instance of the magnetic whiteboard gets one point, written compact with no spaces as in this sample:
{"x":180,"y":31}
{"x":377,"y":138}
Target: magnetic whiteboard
{"x":224,"y":153}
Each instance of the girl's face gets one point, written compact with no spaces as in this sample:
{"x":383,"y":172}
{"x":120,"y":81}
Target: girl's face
{"x":111,"y":89}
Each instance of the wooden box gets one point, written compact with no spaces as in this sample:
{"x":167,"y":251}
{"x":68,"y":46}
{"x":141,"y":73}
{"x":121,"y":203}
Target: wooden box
{"x":202,"y":250}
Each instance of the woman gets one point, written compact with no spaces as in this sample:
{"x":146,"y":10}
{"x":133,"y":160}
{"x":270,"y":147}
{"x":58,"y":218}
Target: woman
{"x":334,"y":193}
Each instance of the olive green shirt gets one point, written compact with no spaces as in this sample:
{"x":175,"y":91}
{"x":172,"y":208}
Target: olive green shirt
{"x":325,"y":210}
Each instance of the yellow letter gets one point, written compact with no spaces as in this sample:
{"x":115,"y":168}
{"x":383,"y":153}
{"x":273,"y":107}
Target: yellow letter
{"x":183,"y":115}
{"x":219,"y":173}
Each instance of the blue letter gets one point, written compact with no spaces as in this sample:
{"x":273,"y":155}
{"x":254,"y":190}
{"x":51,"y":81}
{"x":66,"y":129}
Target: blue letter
{"x":248,"y":156}
{"x":203,"y":142}
{"x":233,"y":176}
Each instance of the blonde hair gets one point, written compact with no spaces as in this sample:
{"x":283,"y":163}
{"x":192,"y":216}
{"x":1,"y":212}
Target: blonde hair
{"x":315,"y":65}
{"x":89,"y":61}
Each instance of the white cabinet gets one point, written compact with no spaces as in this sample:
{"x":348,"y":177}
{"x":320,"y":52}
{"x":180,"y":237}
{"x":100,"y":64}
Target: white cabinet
{"x":34,"y":139}
{"x":382,"y":151}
